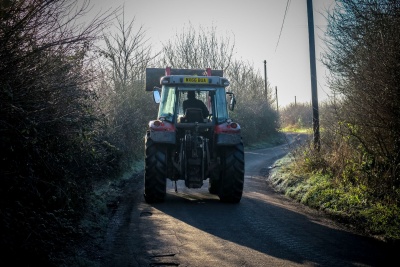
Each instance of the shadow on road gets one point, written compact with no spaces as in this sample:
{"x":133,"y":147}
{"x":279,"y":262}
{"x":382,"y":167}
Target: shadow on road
{"x":272,"y":229}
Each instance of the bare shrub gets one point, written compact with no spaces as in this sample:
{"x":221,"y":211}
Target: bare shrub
{"x":254,"y":110}
{"x":363,"y":40}
{"x":124,"y":58}
{"x":198,"y":49}
{"x":297,"y":115}
{"x":48,"y":136}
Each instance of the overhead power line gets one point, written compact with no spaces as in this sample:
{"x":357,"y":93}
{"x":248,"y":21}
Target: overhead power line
{"x":283,"y":22}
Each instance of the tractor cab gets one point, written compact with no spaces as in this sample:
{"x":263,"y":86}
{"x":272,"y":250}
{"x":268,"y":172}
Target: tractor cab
{"x":171,"y":98}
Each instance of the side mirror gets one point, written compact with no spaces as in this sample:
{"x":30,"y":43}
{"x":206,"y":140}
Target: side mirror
{"x":232,"y":101}
{"x":156,"y":95}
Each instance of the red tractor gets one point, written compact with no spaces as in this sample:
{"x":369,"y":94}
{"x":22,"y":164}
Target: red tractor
{"x":191,"y":143}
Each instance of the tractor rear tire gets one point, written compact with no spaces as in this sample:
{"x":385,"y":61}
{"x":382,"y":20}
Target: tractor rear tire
{"x":232,"y":174}
{"x":155,"y":181}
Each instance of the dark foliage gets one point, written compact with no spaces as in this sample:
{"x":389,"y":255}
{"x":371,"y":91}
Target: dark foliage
{"x":49,"y":151}
{"x":364,"y":52}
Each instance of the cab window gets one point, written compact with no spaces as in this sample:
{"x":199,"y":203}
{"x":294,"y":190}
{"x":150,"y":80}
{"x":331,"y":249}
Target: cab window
{"x":221,"y":111}
{"x":167,"y":103}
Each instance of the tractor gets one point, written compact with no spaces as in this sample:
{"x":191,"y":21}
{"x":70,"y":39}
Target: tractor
{"x":187,"y":144}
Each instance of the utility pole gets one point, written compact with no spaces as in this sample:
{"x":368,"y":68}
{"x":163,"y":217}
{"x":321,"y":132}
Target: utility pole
{"x":314,"y":93}
{"x":265,"y":79}
{"x":276,"y":96}
{"x":295,"y":101}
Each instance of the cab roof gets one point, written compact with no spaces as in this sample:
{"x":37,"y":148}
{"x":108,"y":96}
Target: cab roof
{"x":154,"y":77}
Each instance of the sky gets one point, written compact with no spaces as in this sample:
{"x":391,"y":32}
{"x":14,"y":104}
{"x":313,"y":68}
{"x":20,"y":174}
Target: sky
{"x":256,"y":26}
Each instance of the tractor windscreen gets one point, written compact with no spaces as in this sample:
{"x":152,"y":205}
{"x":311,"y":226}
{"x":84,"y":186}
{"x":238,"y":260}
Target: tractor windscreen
{"x":213,"y":98}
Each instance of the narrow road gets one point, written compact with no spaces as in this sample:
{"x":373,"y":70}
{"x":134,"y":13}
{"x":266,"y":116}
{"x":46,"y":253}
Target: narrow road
{"x":192,"y":228}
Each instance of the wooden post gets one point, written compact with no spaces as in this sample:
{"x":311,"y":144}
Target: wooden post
{"x":265,"y":79}
{"x":314,"y":92}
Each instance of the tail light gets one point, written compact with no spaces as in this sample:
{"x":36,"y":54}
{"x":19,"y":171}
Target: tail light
{"x":228,"y":127}
{"x":158,"y":123}
{"x":233,"y":125}
{"x":161,"y":125}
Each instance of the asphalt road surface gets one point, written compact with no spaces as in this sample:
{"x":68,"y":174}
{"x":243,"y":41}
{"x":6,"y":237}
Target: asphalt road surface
{"x":192,"y":228}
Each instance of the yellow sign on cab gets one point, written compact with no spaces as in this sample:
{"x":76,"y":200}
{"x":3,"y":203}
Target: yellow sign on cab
{"x":195,"y":80}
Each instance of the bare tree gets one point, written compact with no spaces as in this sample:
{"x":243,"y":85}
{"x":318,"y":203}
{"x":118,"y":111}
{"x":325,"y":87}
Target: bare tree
{"x":198,"y":49}
{"x":363,"y":38}
{"x":125,"y":56}
{"x":254,"y":110}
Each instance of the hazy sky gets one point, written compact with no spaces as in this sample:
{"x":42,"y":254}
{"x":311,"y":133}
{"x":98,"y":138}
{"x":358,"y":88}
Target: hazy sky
{"x":255,"y":25}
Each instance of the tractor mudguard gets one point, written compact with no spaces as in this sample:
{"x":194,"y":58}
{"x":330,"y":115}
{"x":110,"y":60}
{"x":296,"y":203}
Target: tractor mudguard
{"x":228,"y":139}
{"x":163,"y":137}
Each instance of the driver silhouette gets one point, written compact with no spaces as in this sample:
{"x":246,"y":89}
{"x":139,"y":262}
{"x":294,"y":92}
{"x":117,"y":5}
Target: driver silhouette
{"x":193,"y":102}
